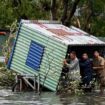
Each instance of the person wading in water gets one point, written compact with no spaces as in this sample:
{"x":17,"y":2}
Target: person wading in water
{"x":73,"y":66}
{"x":99,"y":68}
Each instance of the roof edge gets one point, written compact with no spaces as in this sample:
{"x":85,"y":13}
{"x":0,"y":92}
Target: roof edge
{"x":40,"y":21}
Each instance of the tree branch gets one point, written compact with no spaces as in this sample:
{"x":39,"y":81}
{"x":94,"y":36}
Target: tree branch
{"x":68,"y":21}
{"x":53,"y":10}
{"x":65,"y":6}
{"x":91,"y":13}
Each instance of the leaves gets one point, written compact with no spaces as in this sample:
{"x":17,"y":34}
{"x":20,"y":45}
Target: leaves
{"x":88,"y":15}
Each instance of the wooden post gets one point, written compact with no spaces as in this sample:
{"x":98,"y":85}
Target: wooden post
{"x":38,"y":81}
{"x":20,"y":84}
{"x":35,"y":82}
{"x":16,"y":78}
{"x":25,"y":79}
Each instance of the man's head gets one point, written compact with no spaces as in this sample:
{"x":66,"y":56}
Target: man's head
{"x":85,"y":56}
{"x":72,"y":55}
{"x":96,"y":54}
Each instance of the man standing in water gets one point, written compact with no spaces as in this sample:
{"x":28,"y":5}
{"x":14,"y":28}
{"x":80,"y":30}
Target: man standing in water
{"x":85,"y":69}
{"x":73,"y":66}
{"x":99,"y":68}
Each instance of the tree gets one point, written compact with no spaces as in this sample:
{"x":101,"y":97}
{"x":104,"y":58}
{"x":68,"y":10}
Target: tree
{"x":88,"y":15}
{"x":71,"y":14}
{"x":53,"y":10}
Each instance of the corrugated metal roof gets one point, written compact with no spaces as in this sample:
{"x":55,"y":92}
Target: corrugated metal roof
{"x":68,"y":36}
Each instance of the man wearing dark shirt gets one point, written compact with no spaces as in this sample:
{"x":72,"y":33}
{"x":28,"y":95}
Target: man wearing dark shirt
{"x":85,"y":69}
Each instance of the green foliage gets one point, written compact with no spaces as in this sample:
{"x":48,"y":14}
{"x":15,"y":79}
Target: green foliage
{"x":30,"y":9}
{"x":98,"y":20}
{"x":98,"y":27}
{"x":6,"y":14}
{"x":11,"y":10}
{"x":7,"y":78}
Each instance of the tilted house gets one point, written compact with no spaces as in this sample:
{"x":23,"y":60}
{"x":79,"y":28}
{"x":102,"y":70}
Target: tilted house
{"x":41,"y":47}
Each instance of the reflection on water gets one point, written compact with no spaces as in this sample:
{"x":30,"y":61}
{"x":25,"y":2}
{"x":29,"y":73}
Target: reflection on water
{"x":48,"y":98}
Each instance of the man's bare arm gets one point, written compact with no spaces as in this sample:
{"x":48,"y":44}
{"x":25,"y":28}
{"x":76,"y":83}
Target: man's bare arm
{"x":98,"y":68}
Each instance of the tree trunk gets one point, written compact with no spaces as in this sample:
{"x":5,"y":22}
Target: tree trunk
{"x":53,"y":10}
{"x":86,"y":28}
{"x":65,"y":6}
{"x":73,"y":9}
{"x":91,"y":13}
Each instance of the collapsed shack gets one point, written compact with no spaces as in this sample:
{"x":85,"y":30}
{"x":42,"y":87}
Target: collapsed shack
{"x":41,"y":47}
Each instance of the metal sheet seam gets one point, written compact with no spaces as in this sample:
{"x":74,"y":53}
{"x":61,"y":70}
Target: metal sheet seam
{"x":13,"y":49}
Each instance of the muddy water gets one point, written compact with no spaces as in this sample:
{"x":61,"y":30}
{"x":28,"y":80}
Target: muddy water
{"x":48,"y":98}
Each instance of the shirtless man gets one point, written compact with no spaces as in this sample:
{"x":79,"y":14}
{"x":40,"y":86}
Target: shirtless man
{"x":99,"y":68}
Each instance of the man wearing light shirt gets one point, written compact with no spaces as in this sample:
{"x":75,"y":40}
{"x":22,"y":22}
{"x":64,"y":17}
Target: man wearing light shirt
{"x":73,"y":66}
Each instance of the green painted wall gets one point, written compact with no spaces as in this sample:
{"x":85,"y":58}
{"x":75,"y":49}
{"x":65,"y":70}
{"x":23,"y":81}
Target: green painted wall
{"x":54,"y":54}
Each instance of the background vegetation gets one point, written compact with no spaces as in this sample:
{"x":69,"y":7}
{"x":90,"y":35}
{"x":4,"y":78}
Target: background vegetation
{"x":88,"y":15}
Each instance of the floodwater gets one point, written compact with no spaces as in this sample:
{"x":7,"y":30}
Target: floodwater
{"x":48,"y":98}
